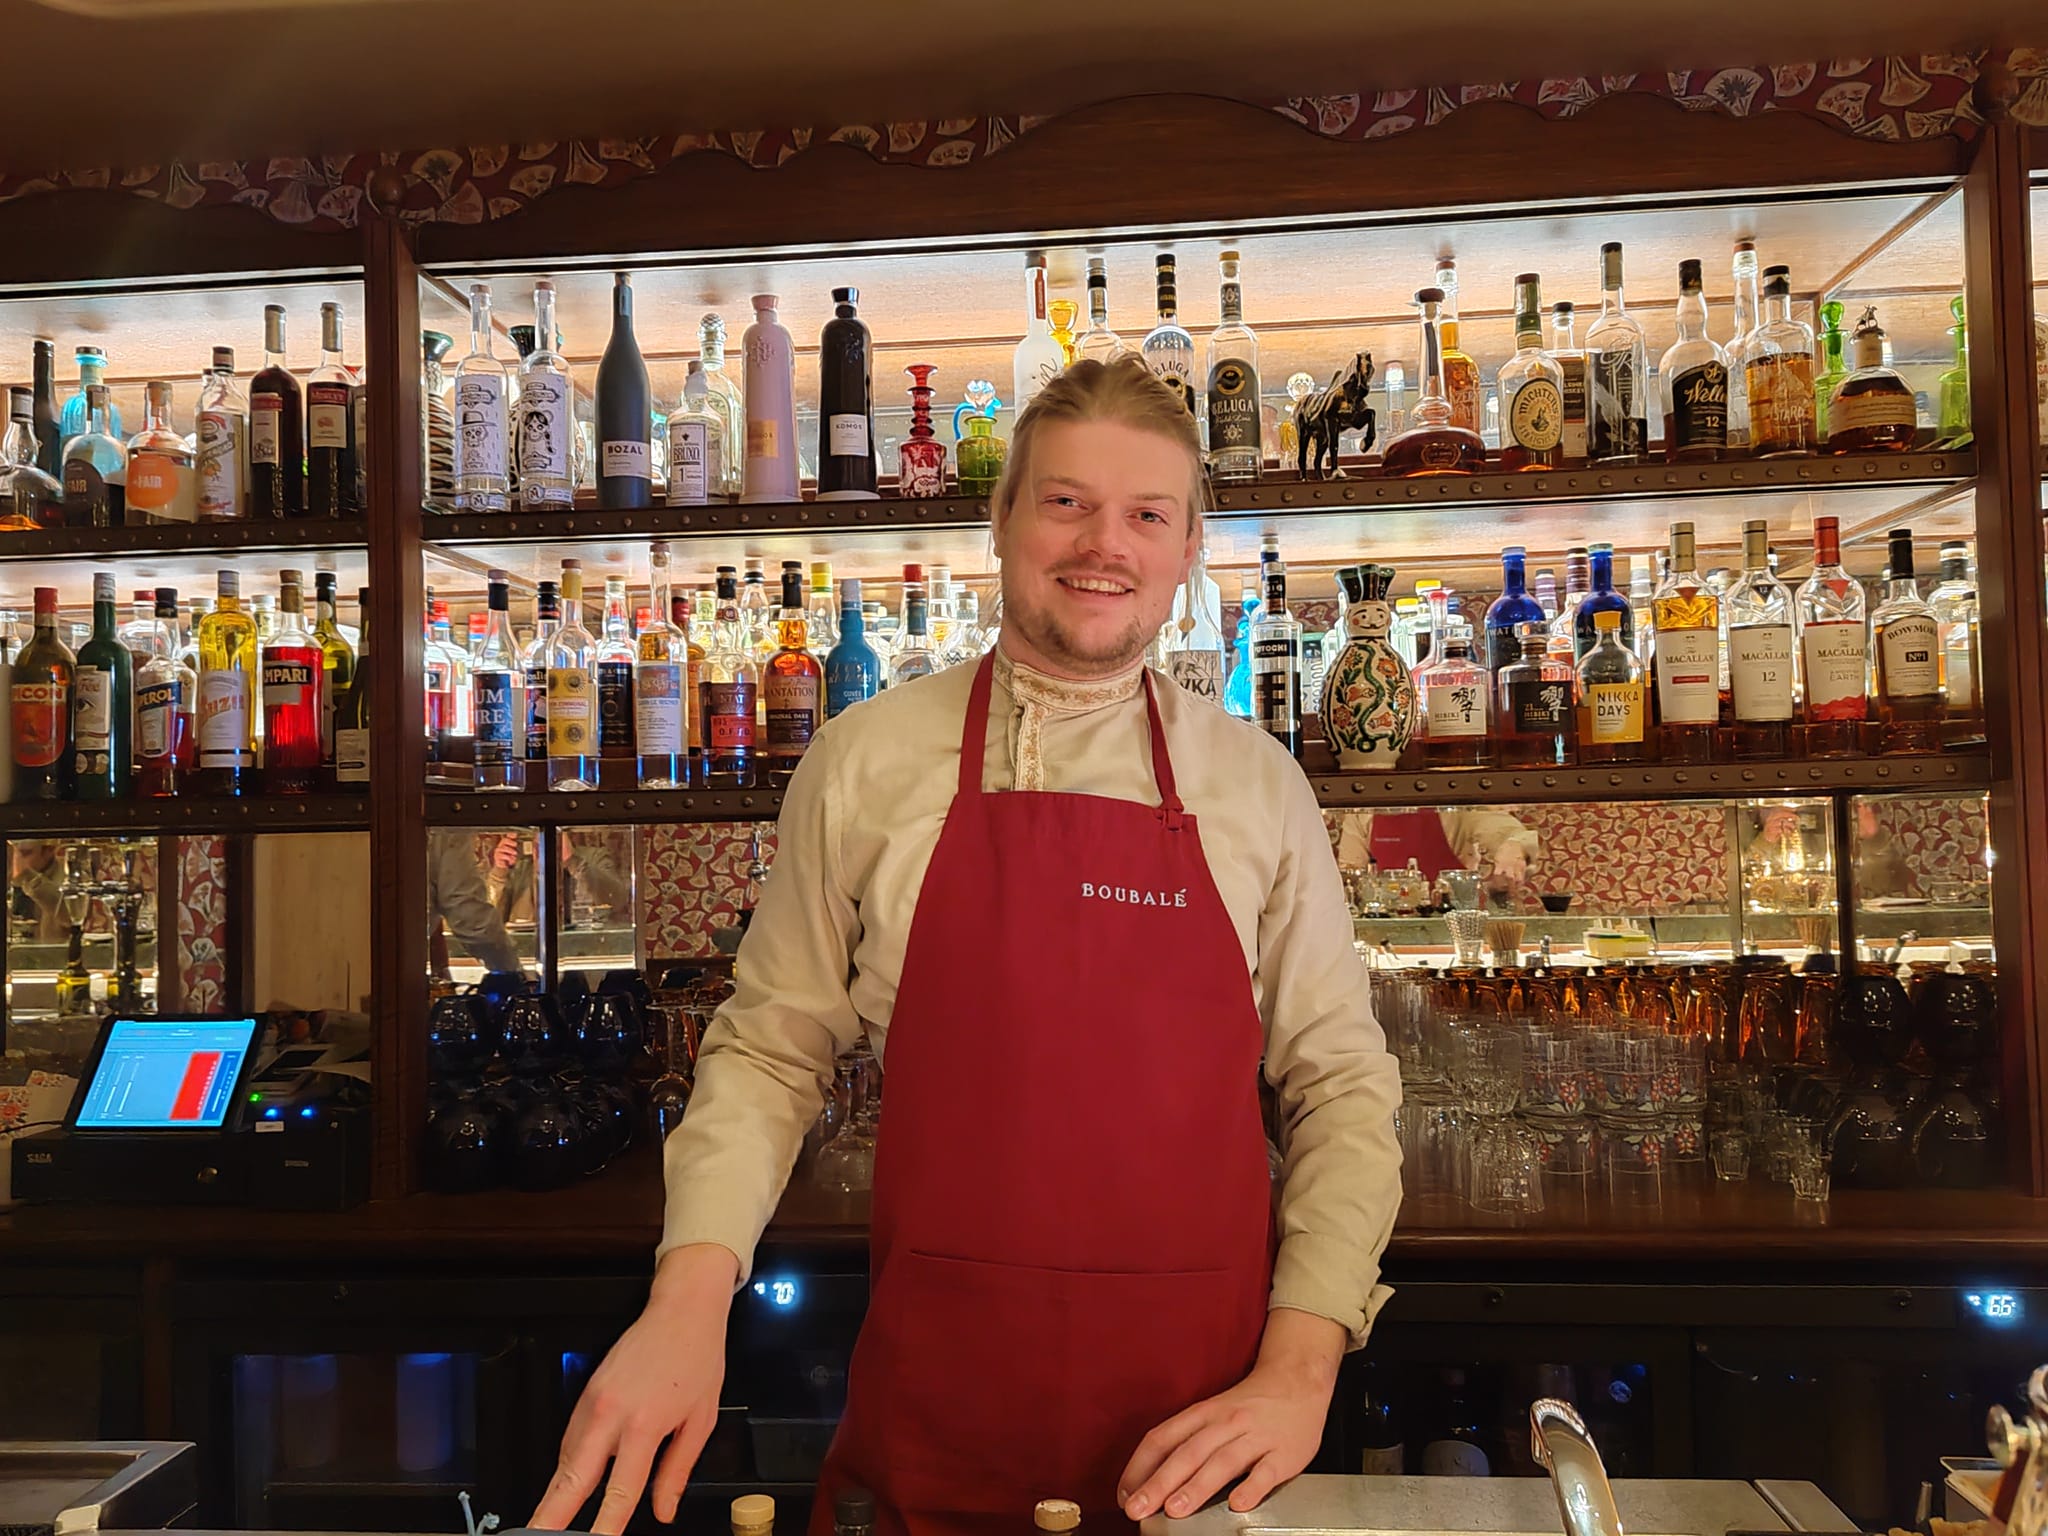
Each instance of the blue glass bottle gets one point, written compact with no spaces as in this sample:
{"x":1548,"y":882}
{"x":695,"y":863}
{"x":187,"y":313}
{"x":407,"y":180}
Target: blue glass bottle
{"x":852,"y":669}
{"x":1514,"y":606}
{"x":92,"y":369}
{"x":1237,"y":688}
{"x":1602,"y":599}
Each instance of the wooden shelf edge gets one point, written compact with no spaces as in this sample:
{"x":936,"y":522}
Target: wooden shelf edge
{"x":622,"y":807}
{"x":281,"y":813}
{"x":184,"y":539}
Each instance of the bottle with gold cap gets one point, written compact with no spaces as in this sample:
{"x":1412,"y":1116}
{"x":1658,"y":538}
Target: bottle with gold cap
{"x":853,"y":1513}
{"x":753,"y":1514}
{"x":1057,"y":1515}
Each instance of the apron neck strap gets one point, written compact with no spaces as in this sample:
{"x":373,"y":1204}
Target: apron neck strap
{"x":974,"y":740}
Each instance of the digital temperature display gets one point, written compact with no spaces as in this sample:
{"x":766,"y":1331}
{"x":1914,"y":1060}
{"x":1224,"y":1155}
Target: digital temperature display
{"x":781,"y":1294}
{"x":2002,"y":1307}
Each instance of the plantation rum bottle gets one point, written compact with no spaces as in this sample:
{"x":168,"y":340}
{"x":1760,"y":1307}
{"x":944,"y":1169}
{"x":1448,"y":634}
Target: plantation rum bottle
{"x":1871,"y":410}
{"x":1833,"y":648}
{"x":1907,"y":639}
{"x":1688,"y":618}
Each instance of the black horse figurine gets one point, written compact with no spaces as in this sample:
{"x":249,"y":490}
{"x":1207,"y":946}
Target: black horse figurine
{"x":1337,"y":408}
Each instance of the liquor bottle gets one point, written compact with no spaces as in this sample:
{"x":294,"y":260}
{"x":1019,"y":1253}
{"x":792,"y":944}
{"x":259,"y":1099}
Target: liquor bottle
{"x":1872,"y":409}
{"x":1954,"y":385}
{"x":1236,"y":450}
{"x":729,"y":687}
{"x":49,"y":430}
{"x":696,"y":442}
{"x":1571,"y":362}
{"x":1168,"y":350}
{"x":496,"y":681}
{"x":1741,"y":342}
{"x":1578,"y":583}
{"x":28,"y":497}
{"x":161,"y":484}
{"x":846,"y":404}
{"x":1611,"y":705}
{"x":39,"y":698}
{"x":482,"y":454}
{"x":1617,"y":374}
{"x":1194,"y":647}
{"x":757,"y":614}
{"x":1546,"y":593}
{"x":1038,"y":358}
{"x":225,"y":717}
{"x":821,"y":617}
{"x":74,"y":981}
{"x":661,"y":712}
{"x":726,"y":399}
{"x":1455,"y":693}
{"x":164,"y":749}
{"x":1099,"y":341}
{"x":1693,"y":380}
{"x":1433,"y":444}
{"x":770,"y":471}
{"x":547,"y":416}
{"x":1062,"y":314}
{"x":277,"y":430}
{"x":1640,"y":633}
{"x":853,"y":671}
{"x":1688,"y":657}
{"x":438,"y":677}
{"x":330,"y":426}
{"x":102,"y":704}
{"x":792,"y":684}
{"x":77,"y":418}
{"x":1514,"y":607}
{"x":294,"y":671}
{"x":533,"y":675}
{"x":1534,"y":705}
{"x":573,"y":762}
{"x":625,"y":414}
{"x":1777,"y":368}
{"x":337,"y":658}
{"x":140,"y":633}
{"x":693,"y":612}
{"x":612,"y":661}
{"x":853,"y":1513}
{"x":1954,"y":602}
{"x":1832,"y":368}
{"x":1758,"y":609}
{"x":1531,"y":388}
{"x":913,"y":656}
{"x":1459,"y":1447}
{"x":942,"y":613}
{"x":352,"y":712}
{"x":1906,"y":637}
{"x":1461,"y":374}
{"x":1276,"y":662}
{"x":96,"y":471}
{"x":222,"y":431}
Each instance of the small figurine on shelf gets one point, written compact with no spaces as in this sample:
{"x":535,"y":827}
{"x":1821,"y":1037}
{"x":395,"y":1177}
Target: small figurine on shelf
{"x":978,"y":453}
{"x":1368,"y":705}
{"x":921,"y":461}
{"x":1322,"y":418}
{"x":1063,"y":313}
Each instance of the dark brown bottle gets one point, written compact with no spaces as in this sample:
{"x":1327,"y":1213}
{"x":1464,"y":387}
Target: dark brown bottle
{"x":277,"y":430}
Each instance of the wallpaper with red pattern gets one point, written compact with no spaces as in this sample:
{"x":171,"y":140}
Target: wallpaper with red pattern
{"x":202,"y":924}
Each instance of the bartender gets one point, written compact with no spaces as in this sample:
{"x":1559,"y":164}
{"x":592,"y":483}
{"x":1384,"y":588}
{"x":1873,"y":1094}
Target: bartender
{"x":1082,"y":1284}
{"x":1493,"y":841}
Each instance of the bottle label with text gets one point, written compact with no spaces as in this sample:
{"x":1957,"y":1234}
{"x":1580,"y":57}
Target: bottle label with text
{"x":220,"y":464}
{"x":223,"y":724}
{"x":352,"y":755}
{"x":658,"y":708}
{"x":729,"y":718}
{"x":480,"y":426}
{"x":624,"y":460}
{"x":763,"y":441}
{"x":495,"y":715}
{"x":1198,"y":671}
{"x":1781,"y":407}
{"x":1907,"y":654}
{"x":1572,"y":437}
{"x":265,"y":441}
{"x":1615,"y":426}
{"x":1874,"y":408}
{"x":689,"y":483}
{"x":615,"y":708}
{"x":1536,"y":416}
{"x":1835,"y":654}
{"x":92,"y":718}
{"x":288,"y":684}
{"x":1760,"y":671}
{"x":156,"y":487}
{"x":1276,"y":685}
{"x":327,"y":411}
{"x":569,"y":722}
{"x":1613,"y":713}
{"x":846,"y":435}
{"x":1689,"y":676}
{"x":790,"y":702}
{"x":1455,"y":709}
{"x":1699,"y":408}
{"x":847,"y":683}
{"x":1234,"y":417}
{"x":42,"y":720}
{"x":156,"y":715}
{"x":1540,"y":707}
{"x":543,"y":427}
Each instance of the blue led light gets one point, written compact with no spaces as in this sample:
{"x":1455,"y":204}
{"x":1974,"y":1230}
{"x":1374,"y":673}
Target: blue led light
{"x":308,"y":1112}
{"x":272,"y":1113}
{"x":2002,"y":1308}
{"x":777,"y":1293}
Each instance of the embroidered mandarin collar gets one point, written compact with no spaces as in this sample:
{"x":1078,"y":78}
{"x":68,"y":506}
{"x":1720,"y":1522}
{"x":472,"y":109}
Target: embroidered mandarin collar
{"x":1037,"y":698}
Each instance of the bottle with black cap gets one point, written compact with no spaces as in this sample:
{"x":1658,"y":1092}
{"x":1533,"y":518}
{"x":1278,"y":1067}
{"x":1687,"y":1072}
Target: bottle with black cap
{"x":846,"y":404}
{"x":853,"y":1513}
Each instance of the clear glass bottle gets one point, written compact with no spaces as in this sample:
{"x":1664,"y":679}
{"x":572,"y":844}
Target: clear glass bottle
{"x":792,"y":684}
{"x":846,"y":404}
{"x":1432,"y":443}
{"x":1832,"y":368}
{"x":28,"y":497}
{"x":1461,"y":375}
{"x":1571,"y":363}
{"x":95,"y":470}
{"x":696,"y":442}
{"x":482,"y":479}
{"x":1641,"y":633}
{"x":1508,"y":612}
{"x":661,"y":676}
{"x":1612,"y":710}
{"x":1038,"y":358}
{"x":1833,"y":648}
{"x":1534,"y":705}
{"x":612,"y":661}
{"x":1455,"y":694}
{"x":1276,"y":661}
{"x":1236,"y":445}
{"x":331,"y":392}
{"x":821,"y":614}
{"x":497,"y":682}
{"x":77,"y":418}
{"x":225,"y":716}
{"x":727,"y":399}
{"x":942,"y":615}
{"x":573,"y":762}
{"x":1099,"y":341}
{"x":1693,"y":380}
{"x":1741,"y":339}
{"x":1578,"y":582}
{"x":1761,"y":651}
{"x":222,"y":430}
{"x":164,"y":684}
{"x":757,"y":613}
{"x":1906,"y":637}
{"x":730,"y":686}
{"x":1617,"y":374}
{"x":1688,"y":657}
{"x":853,"y":671}
{"x":140,"y":633}
{"x":162,"y":485}
{"x":913,"y":656}
{"x":1194,"y":647}
{"x":1872,"y":408}
{"x":547,"y":416}
{"x":1168,"y":349}
{"x":1531,"y":389}
{"x":1777,"y":368}
{"x":293,"y":671}
{"x":1954,"y":601}
{"x":533,"y":677}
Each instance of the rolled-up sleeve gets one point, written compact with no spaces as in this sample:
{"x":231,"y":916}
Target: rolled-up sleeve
{"x":767,"y":1059}
{"x":1338,"y":1087}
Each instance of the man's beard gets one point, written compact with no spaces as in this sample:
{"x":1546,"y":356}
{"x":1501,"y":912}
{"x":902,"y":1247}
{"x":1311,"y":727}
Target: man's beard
{"x":1056,"y":644}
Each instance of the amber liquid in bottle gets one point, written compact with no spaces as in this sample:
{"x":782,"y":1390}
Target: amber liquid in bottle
{"x":1872,"y":410}
{"x":1433,"y":445}
{"x":1906,"y":637}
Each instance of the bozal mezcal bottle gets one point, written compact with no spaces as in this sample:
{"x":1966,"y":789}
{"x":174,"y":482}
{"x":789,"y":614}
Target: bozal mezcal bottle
{"x":846,"y":404}
{"x":625,"y":415}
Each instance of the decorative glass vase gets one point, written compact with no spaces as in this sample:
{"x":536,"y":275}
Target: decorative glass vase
{"x":1368,"y":708}
{"x":979,"y":454}
{"x":921,"y":461}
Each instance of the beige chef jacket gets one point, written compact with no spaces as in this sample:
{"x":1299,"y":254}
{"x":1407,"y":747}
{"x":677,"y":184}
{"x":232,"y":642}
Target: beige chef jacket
{"x":824,"y":954}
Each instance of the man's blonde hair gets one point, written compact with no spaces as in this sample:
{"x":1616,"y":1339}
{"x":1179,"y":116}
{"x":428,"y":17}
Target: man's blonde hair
{"x":1124,"y":391}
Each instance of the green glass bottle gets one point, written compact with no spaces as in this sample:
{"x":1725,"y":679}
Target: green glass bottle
{"x":978,"y":452}
{"x":1832,"y":370}
{"x":102,"y":704}
{"x":1955,"y":385}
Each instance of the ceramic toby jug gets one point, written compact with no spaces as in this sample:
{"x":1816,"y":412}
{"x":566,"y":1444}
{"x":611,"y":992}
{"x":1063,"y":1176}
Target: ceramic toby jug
{"x":1368,"y":707}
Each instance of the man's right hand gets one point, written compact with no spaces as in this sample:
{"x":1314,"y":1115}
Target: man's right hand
{"x":659,"y":1383}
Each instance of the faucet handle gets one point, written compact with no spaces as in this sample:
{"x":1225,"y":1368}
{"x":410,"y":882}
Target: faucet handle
{"x":1563,"y":1447}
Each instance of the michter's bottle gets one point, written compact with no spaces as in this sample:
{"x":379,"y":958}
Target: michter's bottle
{"x":1531,"y":389}
{"x":1276,"y":663}
{"x":1236,"y":452}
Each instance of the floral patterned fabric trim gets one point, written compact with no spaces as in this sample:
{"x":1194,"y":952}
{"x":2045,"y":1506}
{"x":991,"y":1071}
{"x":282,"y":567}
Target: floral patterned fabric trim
{"x":1918,"y":97}
{"x":1038,"y":698}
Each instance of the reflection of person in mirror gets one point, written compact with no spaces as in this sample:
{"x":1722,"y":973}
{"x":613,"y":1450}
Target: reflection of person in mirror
{"x":1494,"y":842}
{"x":457,"y":895}
{"x":588,"y":860}
{"x":36,"y":871}
{"x":1881,"y":864}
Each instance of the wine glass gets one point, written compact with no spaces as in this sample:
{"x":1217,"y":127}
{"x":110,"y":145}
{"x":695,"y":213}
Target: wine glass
{"x":847,"y":1162}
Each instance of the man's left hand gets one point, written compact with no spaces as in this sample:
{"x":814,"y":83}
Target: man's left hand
{"x":1510,"y":866}
{"x":1265,"y":1429}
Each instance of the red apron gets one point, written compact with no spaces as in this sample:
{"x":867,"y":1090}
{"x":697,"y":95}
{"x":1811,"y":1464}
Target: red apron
{"x":1072,"y":1235}
{"x":1398,"y":836}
